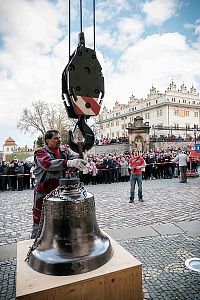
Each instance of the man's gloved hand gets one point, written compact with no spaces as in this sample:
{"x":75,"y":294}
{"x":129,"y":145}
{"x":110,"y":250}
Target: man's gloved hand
{"x":77,"y":163}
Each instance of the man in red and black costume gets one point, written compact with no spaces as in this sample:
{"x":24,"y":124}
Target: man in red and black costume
{"x":51,"y":161}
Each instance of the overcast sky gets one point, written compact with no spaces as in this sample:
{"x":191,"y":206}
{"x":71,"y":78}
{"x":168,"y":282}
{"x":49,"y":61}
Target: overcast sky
{"x":138,"y":43}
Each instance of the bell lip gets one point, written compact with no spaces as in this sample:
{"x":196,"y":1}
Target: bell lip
{"x":73,"y":268}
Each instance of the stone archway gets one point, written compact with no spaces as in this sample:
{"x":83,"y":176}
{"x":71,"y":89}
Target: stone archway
{"x":138,"y":133}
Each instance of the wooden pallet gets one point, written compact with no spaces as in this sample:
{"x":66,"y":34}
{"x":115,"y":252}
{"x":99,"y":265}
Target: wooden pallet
{"x":119,"y":279}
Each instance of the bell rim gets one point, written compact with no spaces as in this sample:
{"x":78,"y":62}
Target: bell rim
{"x":73,"y":267}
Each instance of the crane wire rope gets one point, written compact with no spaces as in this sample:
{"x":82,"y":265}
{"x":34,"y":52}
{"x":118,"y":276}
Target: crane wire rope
{"x":81,"y":22}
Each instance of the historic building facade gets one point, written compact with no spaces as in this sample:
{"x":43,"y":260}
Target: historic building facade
{"x":9,"y":147}
{"x":174,"y":112}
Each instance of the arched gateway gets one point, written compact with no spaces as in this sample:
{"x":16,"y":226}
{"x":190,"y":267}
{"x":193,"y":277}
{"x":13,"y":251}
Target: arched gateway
{"x":138,"y":134}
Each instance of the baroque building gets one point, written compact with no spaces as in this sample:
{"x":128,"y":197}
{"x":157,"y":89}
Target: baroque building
{"x":9,"y":147}
{"x":174,"y":112}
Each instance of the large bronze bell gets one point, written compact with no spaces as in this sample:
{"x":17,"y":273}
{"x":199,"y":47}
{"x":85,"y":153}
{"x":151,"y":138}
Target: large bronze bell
{"x":70,"y":241}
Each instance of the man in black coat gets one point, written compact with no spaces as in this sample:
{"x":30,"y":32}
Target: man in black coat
{"x":108,"y":167}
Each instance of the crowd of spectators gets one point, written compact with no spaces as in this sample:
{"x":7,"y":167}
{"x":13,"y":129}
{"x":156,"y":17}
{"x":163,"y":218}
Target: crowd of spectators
{"x":171,"y":138}
{"x":152,"y":138}
{"x":106,"y":141}
{"x":115,"y":167}
{"x":16,"y":175}
{"x":102,"y":169}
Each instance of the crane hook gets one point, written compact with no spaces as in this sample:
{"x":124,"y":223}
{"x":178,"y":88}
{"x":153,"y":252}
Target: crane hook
{"x":88,"y":135}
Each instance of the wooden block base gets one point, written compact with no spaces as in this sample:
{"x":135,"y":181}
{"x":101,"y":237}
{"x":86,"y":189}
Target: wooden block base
{"x":119,"y":279}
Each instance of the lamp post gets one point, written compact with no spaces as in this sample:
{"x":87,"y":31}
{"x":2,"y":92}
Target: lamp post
{"x":153,"y":127}
{"x":195,"y":134}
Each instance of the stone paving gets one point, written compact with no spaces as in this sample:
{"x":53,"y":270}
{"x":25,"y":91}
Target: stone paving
{"x":162,"y":232}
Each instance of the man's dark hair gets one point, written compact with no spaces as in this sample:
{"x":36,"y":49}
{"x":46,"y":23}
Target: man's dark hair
{"x":135,"y":149}
{"x":49,"y":134}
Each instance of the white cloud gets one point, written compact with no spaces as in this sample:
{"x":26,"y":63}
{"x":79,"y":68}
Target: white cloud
{"x":35,"y":53}
{"x":130,"y":28}
{"x":157,"y":59}
{"x":34,"y":25}
{"x":106,"y":9}
{"x":127,"y":32}
{"x":195,"y":27}
{"x":159,"y":11}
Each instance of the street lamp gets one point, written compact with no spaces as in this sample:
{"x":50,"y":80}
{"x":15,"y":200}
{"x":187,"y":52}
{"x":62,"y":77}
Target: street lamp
{"x":195,"y":134}
{"x":153,"y":127}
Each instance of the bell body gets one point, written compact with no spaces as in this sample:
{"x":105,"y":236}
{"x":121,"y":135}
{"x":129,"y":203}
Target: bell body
{"x":71,"y":241}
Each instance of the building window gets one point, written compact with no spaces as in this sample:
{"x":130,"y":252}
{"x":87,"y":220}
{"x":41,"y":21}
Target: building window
{"x":193,"y":102}
{"x":117,"y":123}
{"x":147,"y":104}
{"x":112,"y":124}
{"x":156,"y":101}
{"x":147,"y":116}
{"x":176,"y":112}
{"x":107,"y":125}
{"x":159,"y":113}
{"x":113,"y":134}
{"x":173,"y":99}
{"x":184,"y":101}
{"x":187,"y":113}
{"x":176,"y":126}
{"x":196,"y":114}
{"x":122,"y":127}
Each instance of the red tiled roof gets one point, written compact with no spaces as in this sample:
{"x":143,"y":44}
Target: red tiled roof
{"x":10,"y":142}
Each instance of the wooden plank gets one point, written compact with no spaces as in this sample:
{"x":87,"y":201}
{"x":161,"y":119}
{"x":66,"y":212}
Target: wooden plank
{"x":120,"y":278}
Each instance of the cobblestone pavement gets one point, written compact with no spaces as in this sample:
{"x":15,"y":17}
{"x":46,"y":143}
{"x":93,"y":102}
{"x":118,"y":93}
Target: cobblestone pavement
{"x":163,"y":255}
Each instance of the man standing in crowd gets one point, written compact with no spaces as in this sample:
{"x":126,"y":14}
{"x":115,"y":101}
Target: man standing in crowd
{"x":182,"y":158}
{"x":108,"y":167}
{"x":51,"y":162}
{"x":136,"y":163}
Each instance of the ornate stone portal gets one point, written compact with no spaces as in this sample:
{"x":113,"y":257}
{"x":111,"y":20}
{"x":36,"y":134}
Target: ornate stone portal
{"x":138,"y":133}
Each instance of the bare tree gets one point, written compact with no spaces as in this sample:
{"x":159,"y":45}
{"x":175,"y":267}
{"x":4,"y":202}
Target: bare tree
{"x":42,"y":116}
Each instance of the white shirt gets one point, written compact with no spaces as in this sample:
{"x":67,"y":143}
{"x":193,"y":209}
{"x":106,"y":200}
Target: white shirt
{"x":182,"y":159}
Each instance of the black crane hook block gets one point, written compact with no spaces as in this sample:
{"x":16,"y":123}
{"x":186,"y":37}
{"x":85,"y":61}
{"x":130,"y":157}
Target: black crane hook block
{"x":83,"y":82}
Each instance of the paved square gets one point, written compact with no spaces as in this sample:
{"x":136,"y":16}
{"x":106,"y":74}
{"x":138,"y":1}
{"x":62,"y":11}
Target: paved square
{"x":162,"y":232}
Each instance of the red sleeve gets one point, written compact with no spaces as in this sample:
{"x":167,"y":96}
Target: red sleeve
{"x":43,"y":158}
{"x":45,"y":161}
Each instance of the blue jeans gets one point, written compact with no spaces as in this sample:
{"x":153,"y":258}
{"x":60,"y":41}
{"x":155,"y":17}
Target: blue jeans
{"x":133,"y":179}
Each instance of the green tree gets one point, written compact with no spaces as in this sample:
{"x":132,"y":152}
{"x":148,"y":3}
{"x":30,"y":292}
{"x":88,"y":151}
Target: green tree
{"x":40,"y":141}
